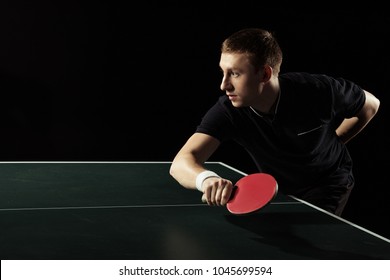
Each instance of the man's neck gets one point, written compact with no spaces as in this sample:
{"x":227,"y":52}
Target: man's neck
{"x":269,"y":97}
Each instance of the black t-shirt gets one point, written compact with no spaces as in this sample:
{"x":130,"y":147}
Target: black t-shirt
{"x":298,"y":145}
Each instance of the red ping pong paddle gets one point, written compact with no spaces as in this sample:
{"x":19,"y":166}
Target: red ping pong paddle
{"x":251,"y":193}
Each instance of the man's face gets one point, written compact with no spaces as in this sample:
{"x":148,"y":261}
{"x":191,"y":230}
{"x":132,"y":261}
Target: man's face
{"x":240,"y":81}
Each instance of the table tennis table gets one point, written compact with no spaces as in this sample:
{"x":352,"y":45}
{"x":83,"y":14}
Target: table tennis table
{"x":119,"y":210}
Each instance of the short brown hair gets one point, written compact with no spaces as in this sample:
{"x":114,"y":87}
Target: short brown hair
{"x":260,"y":45}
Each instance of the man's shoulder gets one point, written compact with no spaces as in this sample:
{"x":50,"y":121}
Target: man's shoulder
{"x":303,"y":76}
{"x":305,"y":80}
{"x":224,"y":101}
{"x":225,"y":107}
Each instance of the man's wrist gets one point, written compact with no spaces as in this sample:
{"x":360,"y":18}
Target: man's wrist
{"x":203,"y":176}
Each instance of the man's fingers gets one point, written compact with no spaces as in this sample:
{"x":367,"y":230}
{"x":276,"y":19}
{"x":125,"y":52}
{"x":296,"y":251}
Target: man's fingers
{"x":226,"y":193}
{"x":217,"y":192}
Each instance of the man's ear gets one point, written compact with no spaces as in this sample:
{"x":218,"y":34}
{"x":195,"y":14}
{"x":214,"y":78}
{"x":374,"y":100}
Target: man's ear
{"x":267,"y":73}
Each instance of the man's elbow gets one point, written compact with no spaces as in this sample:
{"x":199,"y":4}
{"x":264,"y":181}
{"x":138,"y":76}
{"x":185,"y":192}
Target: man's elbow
{"x":172,"y":169}
{"x":376,"y":105}
{"x":371,"y":106}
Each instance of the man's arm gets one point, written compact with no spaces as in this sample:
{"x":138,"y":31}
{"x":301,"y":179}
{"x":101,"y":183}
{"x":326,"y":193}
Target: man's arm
{"x":188,"y":164}
{"x":349,"y":128}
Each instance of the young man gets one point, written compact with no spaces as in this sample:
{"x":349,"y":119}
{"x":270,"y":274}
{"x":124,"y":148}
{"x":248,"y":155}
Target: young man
{"x":293,"y":125}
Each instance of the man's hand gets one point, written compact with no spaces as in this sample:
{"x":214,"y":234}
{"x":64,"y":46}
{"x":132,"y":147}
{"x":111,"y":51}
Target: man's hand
{"x":216,"y":191}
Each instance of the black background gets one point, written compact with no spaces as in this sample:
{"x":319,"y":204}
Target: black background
{"x":113,"y":81}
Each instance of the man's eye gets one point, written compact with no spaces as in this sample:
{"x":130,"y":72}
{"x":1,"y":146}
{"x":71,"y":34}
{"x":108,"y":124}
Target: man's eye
{"x":234,"y":74}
